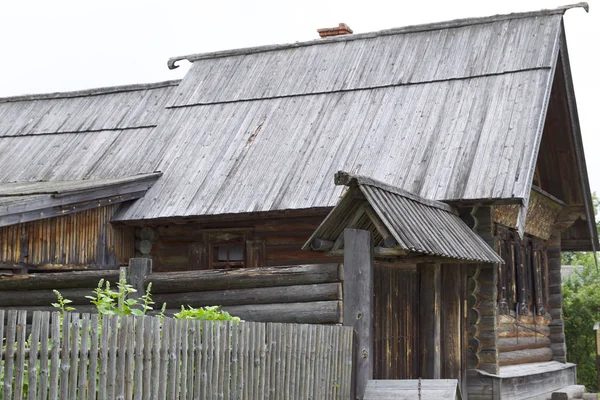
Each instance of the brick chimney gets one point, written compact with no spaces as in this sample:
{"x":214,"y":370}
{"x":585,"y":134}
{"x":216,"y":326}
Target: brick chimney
{"x":341,"y":29}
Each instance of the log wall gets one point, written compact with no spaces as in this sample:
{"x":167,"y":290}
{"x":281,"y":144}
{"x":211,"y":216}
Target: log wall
{"x":280,"y":239}
{"x":294,"y":294}
{"x":84,"y":239}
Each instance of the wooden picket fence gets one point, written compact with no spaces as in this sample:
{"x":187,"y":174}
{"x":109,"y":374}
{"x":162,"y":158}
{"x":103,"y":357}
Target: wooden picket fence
{"x":86,"y":356}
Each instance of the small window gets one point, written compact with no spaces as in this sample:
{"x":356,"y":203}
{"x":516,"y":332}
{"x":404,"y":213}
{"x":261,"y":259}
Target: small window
{"x":227,"y":255}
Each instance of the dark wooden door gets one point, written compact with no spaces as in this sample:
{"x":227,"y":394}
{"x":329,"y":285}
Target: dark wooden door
{"x":396,"y":322}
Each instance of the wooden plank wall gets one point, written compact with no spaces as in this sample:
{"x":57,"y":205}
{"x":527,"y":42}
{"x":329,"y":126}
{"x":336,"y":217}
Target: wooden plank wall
{"x":83,"y":239}
{"x":83,"y":356}
{"x":282,"y":238}
{"x":396,"y":325}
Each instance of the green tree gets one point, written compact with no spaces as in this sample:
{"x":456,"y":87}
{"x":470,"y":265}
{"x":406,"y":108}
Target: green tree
{"x":581,"y":309}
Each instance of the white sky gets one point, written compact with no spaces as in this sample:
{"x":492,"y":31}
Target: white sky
{"x":60,"y":45}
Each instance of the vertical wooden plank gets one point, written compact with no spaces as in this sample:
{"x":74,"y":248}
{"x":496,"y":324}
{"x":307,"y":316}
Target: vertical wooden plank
{"x":93,"y":368}
{"x":54,"y":358}
{"x":225,"y":330}
{"x":74,"y":355}
{"x":129,"y":350}
{"x":64,"y":357}
{"x":164,"y":359}
{"x":217,"y":377}
{"x":20,"y":354}
{"x":173,"y":361}
{"x":143,"y":382}
{"x":32,"y":366}
{"x":139,"y":349}
{"x":233,"y":364}
{"x":183,"y":335}
{"x":430,"y":324}
{"x":207,"y":330}
{"x":83,"y":357}
{"x":44,"y":375}
{"x":451,"y":352}
{"x":267,"y":365}
{"x":301,"y":362}
{"x":198,"y":373}
{"x":204,"y":367}
{"x":104,"y":353}
{"x":245,"y":366}
{"x":2,"y":339}
{"x":111,"y":381}
{"x":191,"y":337}
{"x":121,"y":356}
{"x":9,"y":353}
{"x":156,"y":358}
{"x":358,"y":295}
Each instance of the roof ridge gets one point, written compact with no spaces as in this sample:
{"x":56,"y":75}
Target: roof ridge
{"x":347,"y":179}
{"x":456,"y":23}
{"x":90,"y":92}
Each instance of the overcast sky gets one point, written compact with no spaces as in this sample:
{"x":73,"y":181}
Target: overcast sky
{"x":58,"y":45}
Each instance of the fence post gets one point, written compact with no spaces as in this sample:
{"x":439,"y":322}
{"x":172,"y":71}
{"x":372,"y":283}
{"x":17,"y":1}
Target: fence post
{"x":358,"y":304}
{"x":138,"y":271}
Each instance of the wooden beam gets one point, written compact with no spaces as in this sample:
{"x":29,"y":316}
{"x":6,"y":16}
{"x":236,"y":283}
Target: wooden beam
{"x":138,"y":271}
{"x":388,"y":239}
{"x":173,"y":282}
{"x":321,"y":245}
{"x":358,"y":303}
{"x":430,"y":321}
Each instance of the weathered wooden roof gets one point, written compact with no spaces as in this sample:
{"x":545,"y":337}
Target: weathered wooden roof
{"x":91,"y":134}
{"x":452,"y":112}
{"x":417,"y":225}
{"x":30,"y":201}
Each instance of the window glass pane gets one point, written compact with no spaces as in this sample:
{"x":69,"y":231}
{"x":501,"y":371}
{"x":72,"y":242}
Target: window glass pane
{"x":236,"y":252}
{"x":222,"y":251}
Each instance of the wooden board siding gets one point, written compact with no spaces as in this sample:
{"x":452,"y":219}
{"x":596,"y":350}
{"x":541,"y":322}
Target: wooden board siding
{"x":282,"y":239}
{"x":396,"y":325}
{"x":82,"y":239}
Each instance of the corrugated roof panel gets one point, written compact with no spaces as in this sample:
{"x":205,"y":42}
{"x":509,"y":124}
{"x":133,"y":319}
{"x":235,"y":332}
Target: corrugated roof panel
{"x":420,"y":226}
{"x":415,"y":57}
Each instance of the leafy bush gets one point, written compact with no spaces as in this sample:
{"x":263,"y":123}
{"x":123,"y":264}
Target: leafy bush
{"x":120,"y":302}
{"x":211,"y":313}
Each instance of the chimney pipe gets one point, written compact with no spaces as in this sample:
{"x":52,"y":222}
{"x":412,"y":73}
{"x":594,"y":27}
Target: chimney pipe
{"x":341,"y":29}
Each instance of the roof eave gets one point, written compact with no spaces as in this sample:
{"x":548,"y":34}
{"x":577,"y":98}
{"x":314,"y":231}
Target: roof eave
{"x":577,"y":139}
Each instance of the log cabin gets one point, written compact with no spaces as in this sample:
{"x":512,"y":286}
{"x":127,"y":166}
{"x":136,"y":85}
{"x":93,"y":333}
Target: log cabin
{"x":459,"y":179}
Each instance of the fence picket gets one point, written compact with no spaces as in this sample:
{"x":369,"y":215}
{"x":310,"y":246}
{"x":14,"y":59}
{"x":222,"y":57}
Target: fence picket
{"x":94,"y":320}
{"x":64,"y":357}
{"x":129,"y":350}
{"x":139,"y":349}
{"x":104,"y":347}
{"x":156,"y":349}
{"x":54,"y":358}
{"x":74,"y":356}
{"x":83,"y":357}
{"x":32,"y":366}
{"x":164,"y":360}
{"x":9,"y":353}
{"x":111,"y":384}
{"x":20,"y":354}
{"x":44,"y":375}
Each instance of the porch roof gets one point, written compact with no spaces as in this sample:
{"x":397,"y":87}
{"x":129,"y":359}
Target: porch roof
{"x":402,"y":221}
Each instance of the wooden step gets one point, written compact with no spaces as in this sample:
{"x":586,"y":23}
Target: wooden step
{"x":569,"y":393}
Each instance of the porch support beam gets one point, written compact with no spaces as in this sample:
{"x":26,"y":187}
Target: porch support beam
{"x":430,"y":321}
{"x":358,"y":304}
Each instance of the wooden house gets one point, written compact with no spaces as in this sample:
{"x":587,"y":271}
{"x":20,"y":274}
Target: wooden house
{"x":464,"y":179}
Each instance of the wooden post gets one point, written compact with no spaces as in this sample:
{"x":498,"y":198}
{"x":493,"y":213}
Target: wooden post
{"x":597,"y":335}
{"x":430,"y":321}
{"x":557,"y":328}
{"x":138,"y":271}
{"x":358,"y":304}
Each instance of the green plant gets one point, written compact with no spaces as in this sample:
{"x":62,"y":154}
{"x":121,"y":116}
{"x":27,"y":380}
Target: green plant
{"x":210,"y":313}
{"x":61,"y":303}
{"x":120,"y":302}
